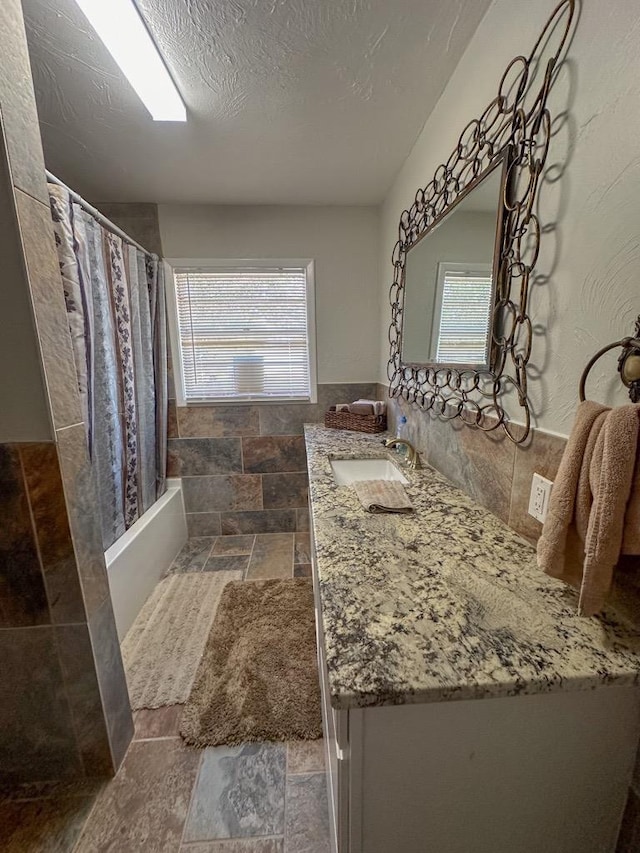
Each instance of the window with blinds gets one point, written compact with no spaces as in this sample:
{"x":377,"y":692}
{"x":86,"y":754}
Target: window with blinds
{"x":465,"y":310}
{"x":245,"y":332}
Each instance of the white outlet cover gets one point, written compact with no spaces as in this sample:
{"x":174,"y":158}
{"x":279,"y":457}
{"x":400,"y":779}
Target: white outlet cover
{"x":539,"y":497}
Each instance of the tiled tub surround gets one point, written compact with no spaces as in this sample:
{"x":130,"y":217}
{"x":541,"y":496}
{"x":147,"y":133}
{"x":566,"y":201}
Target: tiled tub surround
{"x":64,"y":708}
{"x":243,"y":467}
{"x":55,"y":619}
{"x":447,"y":603}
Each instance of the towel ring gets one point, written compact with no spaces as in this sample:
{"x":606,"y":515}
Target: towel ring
{"x":628,"y":364}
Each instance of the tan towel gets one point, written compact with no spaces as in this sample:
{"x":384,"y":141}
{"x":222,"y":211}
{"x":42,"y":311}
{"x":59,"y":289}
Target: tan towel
{"x":361,"y":409}
{"x":584,"y":495}
{"x":593,"y":512}
{"x":631,"y":535}
{"x":383,"y":496}
{"x":558,"y":531}
{"x":379,"y":406}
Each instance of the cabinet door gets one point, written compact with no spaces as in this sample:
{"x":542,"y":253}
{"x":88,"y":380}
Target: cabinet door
{"x":335,"y":726}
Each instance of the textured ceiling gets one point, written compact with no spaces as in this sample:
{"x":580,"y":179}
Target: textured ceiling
{"x":289,"y":101}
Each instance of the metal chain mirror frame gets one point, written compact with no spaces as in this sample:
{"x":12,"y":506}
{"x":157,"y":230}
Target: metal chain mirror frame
{"x":507,"y":124}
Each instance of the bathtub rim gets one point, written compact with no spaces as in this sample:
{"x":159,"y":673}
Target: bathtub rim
{"x":174,"y":484}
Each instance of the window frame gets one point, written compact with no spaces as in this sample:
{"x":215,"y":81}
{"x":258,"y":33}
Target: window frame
{"x":472,"y":268}
{"x":170,"y":264}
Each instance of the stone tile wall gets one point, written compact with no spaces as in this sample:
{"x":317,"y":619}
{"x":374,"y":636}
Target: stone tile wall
{"x":487,"y":466}
{"x":243,"y":468}
{"x":52,"y":715}
{"x":64,"y":706}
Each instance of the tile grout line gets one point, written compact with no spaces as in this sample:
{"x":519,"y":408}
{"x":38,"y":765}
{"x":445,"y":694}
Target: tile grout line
{"x":45,"y":625}
{"x":68,"y":426}
{"x":228,"y":843}
{"x":191,"y":798}
{"x":154,"y":739}
{"x":511,"y":484}
{"x":209,"y":555}
{"x":306,"y":773}
{"x":28,"y":193}
{"x":245,"y":575}
{"x":35,"y":535}
{"x":293,"y":554}
{"x":94,"y":805}
{"x":70,"y":709}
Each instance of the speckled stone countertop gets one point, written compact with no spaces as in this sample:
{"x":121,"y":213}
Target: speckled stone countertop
{"x":446,"y":603}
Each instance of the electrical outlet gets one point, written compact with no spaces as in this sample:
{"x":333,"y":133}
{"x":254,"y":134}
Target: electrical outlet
{"x":539,"y":497}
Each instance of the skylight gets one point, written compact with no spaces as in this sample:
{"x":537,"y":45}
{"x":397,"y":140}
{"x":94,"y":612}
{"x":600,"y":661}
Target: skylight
{"x":119,"y":25}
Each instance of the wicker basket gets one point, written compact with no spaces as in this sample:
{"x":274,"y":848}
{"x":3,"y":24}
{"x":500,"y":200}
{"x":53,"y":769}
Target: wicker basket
{"x":357,"y":423}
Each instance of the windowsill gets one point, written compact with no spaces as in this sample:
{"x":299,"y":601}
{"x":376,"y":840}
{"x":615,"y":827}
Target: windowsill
{"x":226,"y":401}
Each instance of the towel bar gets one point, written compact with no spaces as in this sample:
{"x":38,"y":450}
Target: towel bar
{"x":628,"y":364}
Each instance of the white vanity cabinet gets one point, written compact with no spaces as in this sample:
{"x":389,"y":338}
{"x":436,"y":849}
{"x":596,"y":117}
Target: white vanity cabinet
{"x":516,"y":721}
{"x":541,"y":773}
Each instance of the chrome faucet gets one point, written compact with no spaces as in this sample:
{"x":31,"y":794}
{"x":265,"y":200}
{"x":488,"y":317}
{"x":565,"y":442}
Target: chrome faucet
{"x":413,"y":457}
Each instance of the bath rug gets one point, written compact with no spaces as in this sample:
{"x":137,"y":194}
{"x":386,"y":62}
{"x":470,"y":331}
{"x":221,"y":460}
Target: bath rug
{"x":258,"y":678}
{"x":163,"y":647}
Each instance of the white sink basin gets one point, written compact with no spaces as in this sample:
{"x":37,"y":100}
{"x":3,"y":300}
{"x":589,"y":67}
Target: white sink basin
{"x":346,"y":471}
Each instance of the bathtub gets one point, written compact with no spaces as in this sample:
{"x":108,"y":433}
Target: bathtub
{"x":139,"y":558}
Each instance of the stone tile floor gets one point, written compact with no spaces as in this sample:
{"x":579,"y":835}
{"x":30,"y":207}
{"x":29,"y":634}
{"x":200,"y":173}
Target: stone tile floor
{"x":170,"y":798}
{"x":264,"y":555}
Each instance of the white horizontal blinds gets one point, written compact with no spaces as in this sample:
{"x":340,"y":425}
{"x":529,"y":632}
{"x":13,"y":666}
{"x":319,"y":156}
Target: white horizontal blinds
{"x":464,"y":318}
{"x":243,"y":332}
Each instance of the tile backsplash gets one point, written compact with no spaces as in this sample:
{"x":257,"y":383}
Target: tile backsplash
{"x":486,"y":465}
{"x":244,"y":467}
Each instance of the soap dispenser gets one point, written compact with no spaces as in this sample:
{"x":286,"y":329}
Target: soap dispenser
{"x":403,"y":433}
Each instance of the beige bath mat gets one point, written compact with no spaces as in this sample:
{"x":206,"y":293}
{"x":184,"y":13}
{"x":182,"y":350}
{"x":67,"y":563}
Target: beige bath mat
{"x":258,"y":678}
{"x":163,"y":647}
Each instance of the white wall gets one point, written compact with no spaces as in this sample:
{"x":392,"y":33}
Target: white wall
{"x":593,"y":257}
{"x":342,"y":241}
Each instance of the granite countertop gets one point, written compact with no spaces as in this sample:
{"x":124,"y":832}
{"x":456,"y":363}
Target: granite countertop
{"x":447,"y":603}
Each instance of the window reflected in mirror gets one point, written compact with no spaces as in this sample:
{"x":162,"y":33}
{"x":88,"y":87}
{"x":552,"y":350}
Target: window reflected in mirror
{"x":449,"y":287}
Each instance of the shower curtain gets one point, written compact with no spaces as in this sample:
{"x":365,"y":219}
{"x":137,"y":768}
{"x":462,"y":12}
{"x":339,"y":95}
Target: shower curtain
{"x":116,"y":311}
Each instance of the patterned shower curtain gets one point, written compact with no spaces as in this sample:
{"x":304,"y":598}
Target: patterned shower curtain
{"x":116,"y":311}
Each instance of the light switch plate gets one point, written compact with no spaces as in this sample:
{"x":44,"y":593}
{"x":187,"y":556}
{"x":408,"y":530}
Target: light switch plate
{"x":539,"y":497}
